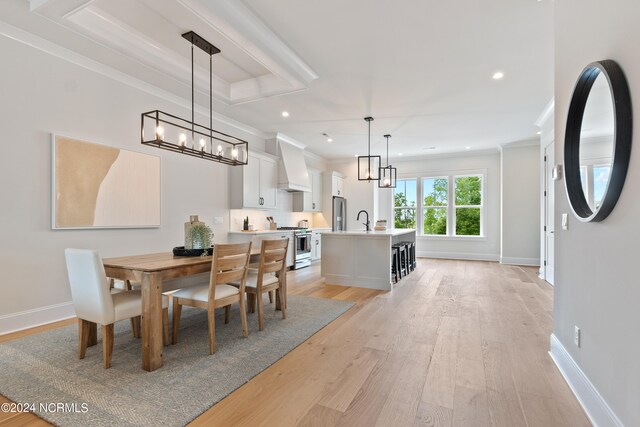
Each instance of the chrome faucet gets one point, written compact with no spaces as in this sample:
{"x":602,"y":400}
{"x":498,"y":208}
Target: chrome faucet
{"x":366,"y":224}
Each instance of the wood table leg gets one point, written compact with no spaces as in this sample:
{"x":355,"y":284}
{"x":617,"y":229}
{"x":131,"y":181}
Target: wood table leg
{"x":151,"y":321}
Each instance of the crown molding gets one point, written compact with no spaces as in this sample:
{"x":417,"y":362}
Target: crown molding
{"x":36,"y":4}
{"x":75,"y":58}
{"x":282,"y":137}
{"x":523,"y":143}
{"x":133,"y":44}
{"x":546,"y":114}
{"x":282,"y":71}
{"x":314,"y":156}
{"x":238,"y":23}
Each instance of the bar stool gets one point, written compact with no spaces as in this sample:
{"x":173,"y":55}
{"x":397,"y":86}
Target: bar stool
{"x":402,"y":259}
{"x":411,"y":251}
{"x":395,"y":261}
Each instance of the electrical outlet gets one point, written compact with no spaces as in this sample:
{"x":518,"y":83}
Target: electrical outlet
{"x":565,"y":221}
{"x":576,"y":336}
{"x":218,"y":220}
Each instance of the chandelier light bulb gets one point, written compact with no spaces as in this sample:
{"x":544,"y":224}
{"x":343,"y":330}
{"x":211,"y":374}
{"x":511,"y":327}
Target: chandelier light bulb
{"x":387,"y":181}
{"x":182,"y":139}
{"x":219,"y":150}
{"x":202,"y":143}
{"x":160,"y":133}
{"x":234,"y":153}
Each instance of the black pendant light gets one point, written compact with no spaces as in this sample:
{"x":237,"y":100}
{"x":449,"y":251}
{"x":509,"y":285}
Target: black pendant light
{"x":388,"y":173}
{"x":169,"y":132}
{"x":369,"y":166}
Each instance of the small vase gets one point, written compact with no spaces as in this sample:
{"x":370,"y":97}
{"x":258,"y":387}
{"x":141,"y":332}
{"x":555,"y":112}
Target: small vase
{"x":188,"y":244}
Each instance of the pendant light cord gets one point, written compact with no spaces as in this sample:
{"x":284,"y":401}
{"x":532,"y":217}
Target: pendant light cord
{"x":211,"y":101}
{"x":369,"y":153}
{"x":387,"y":136}
{"x":192,"y":100}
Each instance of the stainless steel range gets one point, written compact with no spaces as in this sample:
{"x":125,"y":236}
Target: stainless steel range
{"x":302,"y":247}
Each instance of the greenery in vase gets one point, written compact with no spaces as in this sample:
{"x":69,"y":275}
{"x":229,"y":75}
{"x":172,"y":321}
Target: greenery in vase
{"x":199,"y":236}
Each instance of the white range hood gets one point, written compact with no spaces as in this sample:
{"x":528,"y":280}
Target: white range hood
{"x":293,"y":175}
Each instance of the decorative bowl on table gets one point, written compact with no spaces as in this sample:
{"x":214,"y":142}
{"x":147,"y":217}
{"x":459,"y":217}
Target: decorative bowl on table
{"x":181,"y":251}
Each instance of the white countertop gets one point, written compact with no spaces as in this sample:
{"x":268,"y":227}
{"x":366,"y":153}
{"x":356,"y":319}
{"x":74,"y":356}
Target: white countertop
{"x":388,"y":232}
{"x":261,"y":232}
{"x":319,"y":230}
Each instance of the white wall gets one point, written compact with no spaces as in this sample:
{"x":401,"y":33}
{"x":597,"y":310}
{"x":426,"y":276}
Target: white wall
{"x":359,"y":194}
{"x":484,"y":248}
{"x":43,"y":94}
{"x":520,"y":236}
{"x":596,"y":263}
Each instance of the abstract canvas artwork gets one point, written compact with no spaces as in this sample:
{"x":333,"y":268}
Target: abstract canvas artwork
{"x":97,"y":186}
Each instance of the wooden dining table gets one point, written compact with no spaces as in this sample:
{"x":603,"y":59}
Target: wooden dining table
{"x":150,"y":270}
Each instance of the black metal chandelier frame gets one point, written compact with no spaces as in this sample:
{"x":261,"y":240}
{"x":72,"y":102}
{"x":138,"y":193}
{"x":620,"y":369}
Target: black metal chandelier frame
{"x":371,"y":163}
{"x":228,"y":149}
{"x":388,"y":174}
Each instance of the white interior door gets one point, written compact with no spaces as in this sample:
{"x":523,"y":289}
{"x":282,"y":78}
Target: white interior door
{"x":549,"y":207}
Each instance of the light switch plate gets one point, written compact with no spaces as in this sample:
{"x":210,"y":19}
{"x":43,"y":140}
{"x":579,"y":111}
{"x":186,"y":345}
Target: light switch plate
{"x":565,"y":221}
{"x":556,"y":172}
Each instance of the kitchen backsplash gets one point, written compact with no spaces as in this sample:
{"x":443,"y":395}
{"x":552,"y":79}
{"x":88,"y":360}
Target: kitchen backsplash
{"x":282,"y":216}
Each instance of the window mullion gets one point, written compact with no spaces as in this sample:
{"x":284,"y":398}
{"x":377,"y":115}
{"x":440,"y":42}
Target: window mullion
{"x":451,"y":208}
{"x":419,"y":213}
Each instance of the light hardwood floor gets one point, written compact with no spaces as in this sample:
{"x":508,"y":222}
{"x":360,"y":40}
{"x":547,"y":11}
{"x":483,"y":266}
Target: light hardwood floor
{"x":456,"y":343}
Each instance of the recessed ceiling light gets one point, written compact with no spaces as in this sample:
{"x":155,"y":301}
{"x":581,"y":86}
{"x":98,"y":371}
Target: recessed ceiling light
{"x":467,"y":148}
{"x":329,"y":139}
{"x":429,"y":148}
{"x":498,"y":75}
{"x":538,"y":133}
{"x":285,"y":114}
{"x":399,"y":154}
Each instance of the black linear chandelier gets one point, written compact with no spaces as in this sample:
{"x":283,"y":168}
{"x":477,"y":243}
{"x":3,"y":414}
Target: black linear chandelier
{"x":169,"y":132}
{"x":369,"y":166}
{"x":388,"y":173}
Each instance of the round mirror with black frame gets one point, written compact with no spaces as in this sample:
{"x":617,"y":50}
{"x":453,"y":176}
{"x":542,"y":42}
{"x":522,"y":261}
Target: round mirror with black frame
{"x":597,"y":140}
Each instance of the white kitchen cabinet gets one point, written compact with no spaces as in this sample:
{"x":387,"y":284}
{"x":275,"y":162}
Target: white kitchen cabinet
{"x":337,"y":185}
{"x":334,"y":184}
{"x":316,"y":246}
{"x":268,"y":182}
{"x":255,"y":185}
{"x":257,"y":238}
{"x":310,"y":201}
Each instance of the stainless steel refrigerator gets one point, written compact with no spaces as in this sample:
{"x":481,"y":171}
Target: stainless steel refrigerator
{"x":339,"y":214}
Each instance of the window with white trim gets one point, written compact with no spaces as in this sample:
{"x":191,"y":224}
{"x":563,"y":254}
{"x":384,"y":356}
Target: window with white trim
{"x":450,"y":205}
{"x":468,"y":203}
{"x":435,"y":201}
{"x":405,"y":203}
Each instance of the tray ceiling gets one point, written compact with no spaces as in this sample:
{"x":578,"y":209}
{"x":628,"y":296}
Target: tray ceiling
{"x":253,"y":64}
{"x":421,"y":69}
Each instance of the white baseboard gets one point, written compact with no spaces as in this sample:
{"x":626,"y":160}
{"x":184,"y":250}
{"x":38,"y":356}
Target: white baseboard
{"x":534,"y":262}
{"x":36,"y":317}
{"x":597,"y":409}
{"x":458,"y":255}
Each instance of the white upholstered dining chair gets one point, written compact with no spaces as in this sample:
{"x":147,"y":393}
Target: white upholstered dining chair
{"x":229,"y":264}
{"x":94,"y":303}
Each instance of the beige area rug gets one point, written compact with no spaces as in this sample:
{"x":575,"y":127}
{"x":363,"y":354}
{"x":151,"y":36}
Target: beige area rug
{"x":45,"y":369}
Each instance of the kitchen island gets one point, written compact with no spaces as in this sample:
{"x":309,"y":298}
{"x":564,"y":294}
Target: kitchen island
{"x":361,"y":258}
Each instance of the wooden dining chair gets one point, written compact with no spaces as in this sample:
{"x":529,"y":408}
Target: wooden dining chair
{"x":95,"y":303}
{"x":230,"y":263}
{"x":271,"y":275}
